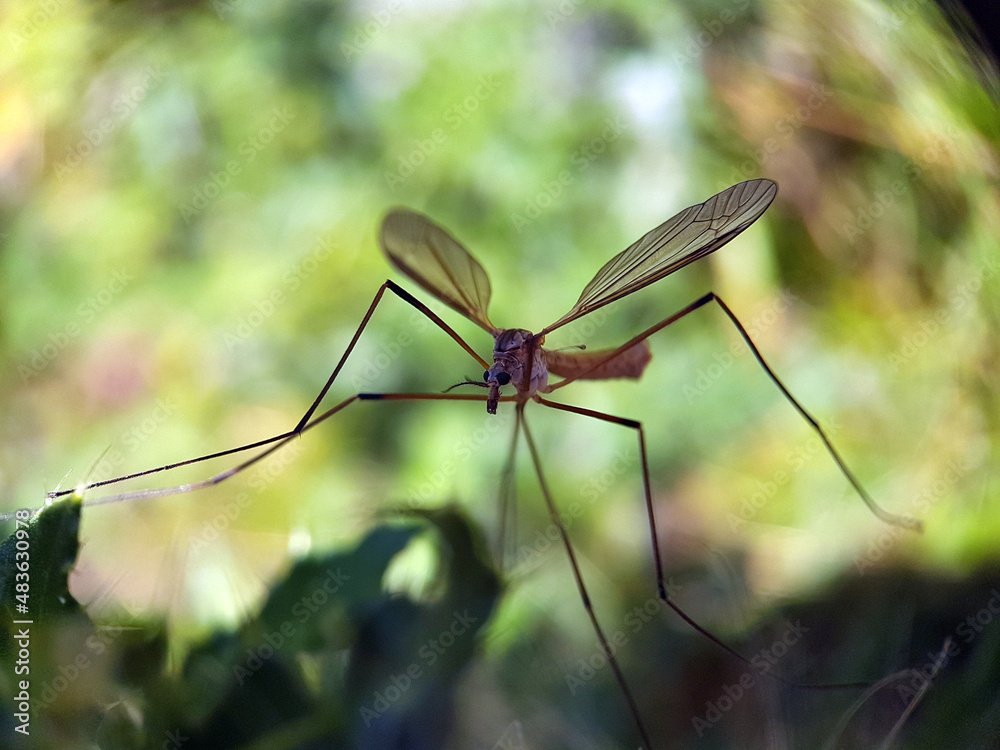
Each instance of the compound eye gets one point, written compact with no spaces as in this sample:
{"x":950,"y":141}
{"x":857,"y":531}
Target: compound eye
{"x":486,"y":376}
{"x":503,"y":378}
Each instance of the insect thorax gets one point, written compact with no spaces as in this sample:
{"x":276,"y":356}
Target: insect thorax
{"x":513,"y":351}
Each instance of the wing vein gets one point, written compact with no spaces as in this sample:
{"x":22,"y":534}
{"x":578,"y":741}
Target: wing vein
{"x":690,"y":235}
{"x":437,"y":262}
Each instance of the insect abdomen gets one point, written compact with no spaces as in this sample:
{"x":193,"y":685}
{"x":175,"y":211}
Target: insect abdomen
{"x":629,"y":364}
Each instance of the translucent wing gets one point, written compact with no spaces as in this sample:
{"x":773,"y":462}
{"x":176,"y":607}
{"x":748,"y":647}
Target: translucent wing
{"x":434,"y":259}
{"x":692,"y":234}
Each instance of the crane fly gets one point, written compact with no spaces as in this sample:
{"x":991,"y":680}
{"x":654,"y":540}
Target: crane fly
{"x":438,"y":263}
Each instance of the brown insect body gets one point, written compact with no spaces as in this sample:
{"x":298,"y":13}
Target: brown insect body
{"x":440,"y":264}
{"x":518,"y":360}
{"x":581,"y":365}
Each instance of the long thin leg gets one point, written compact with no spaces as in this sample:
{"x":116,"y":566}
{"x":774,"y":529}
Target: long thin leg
{"x":279,"y":444}
{"x":508,"y":495}
{"x":605,"y":646}
{"x":391,"y":286}
{"x":884,"y":515}
{"x":661,"y":587}
{"x":177,"y":465}
{"x":406,"y":297}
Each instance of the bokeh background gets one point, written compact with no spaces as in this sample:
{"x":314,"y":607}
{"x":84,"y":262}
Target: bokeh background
{"x":189,"y":202}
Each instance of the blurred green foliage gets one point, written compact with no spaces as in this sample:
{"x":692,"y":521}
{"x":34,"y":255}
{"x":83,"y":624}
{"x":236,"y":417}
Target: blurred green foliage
{"x":331,"y":660}
{"x":189,"y":199}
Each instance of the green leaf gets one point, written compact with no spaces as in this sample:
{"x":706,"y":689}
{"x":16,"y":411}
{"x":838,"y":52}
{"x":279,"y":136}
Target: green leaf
{"x":35,"y":561}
